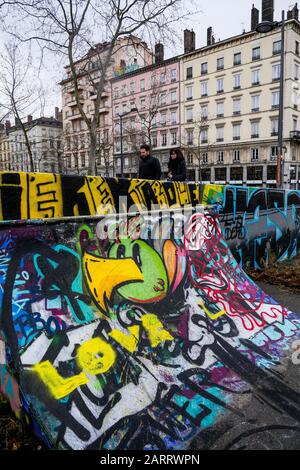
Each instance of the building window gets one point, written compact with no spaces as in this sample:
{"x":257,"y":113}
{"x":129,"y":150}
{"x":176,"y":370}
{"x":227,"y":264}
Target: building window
{"x":173,"y":117}
{"x":236,"y":131}
{"x":236,"y":173}
{"x":236,"y":156}
{"x":271,"y":173}
{"x":237,"y":58}
{"x":163,"y":119}
{"x":143,"y":103}
{"x":255,"y":99}
{"x":173,"y":75}
{"x":204,"y":111}
{"x":189,"y":73}
{"x":189,"y":115}
{"x":256,"y":77}
{"x":293,"y":173}
{"x":237,"y":81}
{"x":220,"y":85}
{"x":297,"y":47}
{"x":274,"y":153}
{"x":254,"y":154}
{"x":256,"y":53}
{"x":254,"y":129}
{"x":154,"y":140}
{"x":82,"y":156}
{"x":276,"y":72}
{"x":205,"y":158}
{"x":204,"y":136}
{"x":220,"y":63}
{"x":220,"y":134}
{"x":142,"y":85}
{"x":220,"y":109}
{"x":254,"y":173}
{"x":123,"y":90}
{"x":163,"y":99}
{"x":276,"y":47}
{"x":237,"y":106}
{"x":153,"y":81}
{"x":220,"y":173}
{"x":275,"y":99}
{"x":173,"y":96}
{"x":206,"y":174}
{"x":189,"y":93}
{"x":296,"y":72}
{"x":190,"y":159}
{"x":295,"y":124}
{"x":220,"y":157}
{"x":116,"y":92}
{"x":274,"y":127}
{"x":173,"y":137}
{"x":162,"y":78}
{"x":204,"y":89}
{"x":190,"y":137}
{"x":204,"y":68}
{"x":163,"y":139}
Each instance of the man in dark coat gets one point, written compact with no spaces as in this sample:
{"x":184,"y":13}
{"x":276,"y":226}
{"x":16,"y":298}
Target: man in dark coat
{"x":149,"y":168}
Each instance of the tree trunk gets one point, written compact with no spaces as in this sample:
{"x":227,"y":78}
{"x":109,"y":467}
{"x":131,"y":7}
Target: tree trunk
{"x":93,"y":149}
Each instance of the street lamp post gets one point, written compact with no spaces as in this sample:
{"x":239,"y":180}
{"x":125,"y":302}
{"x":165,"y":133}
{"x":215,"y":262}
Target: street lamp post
{"x":266,"y":27}
{"x":280,"y":156}
{"x":121,"y":116}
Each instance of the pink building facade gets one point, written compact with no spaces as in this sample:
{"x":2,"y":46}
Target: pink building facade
{"x":146,"y":109}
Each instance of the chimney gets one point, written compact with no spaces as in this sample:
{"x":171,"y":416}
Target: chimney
{"x":17,"y":122}
{"x":294,"y":13}
{"x":159,"y":53}
{"x":29,"y":119}
{"x":254,"y":18}
{"x":209,"y":36}
{"x":268,"y":10}
{"x":189,"y":41}
{"x":56,"y":113}
{"x":7,"y":125}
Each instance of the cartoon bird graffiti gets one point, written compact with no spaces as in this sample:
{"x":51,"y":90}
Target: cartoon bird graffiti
{"x":137,"y":271}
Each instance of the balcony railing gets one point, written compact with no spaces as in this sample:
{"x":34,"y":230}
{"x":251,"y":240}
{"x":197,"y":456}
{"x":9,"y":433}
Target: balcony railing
{"x":295,"y":135}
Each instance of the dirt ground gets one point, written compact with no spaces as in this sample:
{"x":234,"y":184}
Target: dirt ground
{"x":12,"y":434}
{"x":285,"y":275}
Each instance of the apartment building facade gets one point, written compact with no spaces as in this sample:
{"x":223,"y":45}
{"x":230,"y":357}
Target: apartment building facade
{"x":229,"y":95}
{"x":4,"y":147}
{"x":146,"y":109}
{"x":129,"y":54}
{"x":45,"y":139}
{"x":230,"y":107}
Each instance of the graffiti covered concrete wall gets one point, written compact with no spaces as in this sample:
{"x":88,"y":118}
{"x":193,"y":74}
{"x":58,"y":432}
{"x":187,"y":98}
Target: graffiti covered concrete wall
{"x":261,"y":226}
{"x":124,"y":340}
{"x":44,"y":195}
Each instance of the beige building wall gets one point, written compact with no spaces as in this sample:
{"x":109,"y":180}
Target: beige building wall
{"x":259,"y":88}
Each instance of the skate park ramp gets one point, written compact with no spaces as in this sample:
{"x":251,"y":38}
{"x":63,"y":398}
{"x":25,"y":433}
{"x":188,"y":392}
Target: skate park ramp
{"x":131,"y":333}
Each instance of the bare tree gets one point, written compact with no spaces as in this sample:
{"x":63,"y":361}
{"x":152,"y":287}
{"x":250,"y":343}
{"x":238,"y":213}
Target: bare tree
{"x":66,"y":27}
{"x":17,"y":93}
{"x":147,"y":113}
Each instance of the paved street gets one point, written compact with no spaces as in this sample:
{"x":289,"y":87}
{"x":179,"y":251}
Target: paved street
{"x":261,"y":427}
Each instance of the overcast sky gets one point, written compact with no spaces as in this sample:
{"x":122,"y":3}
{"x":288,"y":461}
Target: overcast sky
{"x":229,"y":17}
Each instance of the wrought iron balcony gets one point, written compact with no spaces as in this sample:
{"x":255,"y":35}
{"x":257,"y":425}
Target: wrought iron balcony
{"x":295,"y":135}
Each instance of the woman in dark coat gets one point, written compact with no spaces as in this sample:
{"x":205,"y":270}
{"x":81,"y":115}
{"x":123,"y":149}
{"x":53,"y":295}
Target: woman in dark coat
{"x":177,"y":166}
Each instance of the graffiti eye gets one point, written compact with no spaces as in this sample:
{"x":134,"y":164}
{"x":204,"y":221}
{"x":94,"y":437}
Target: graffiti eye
{"x":136,"y":255}
{"x":121,"y":252}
